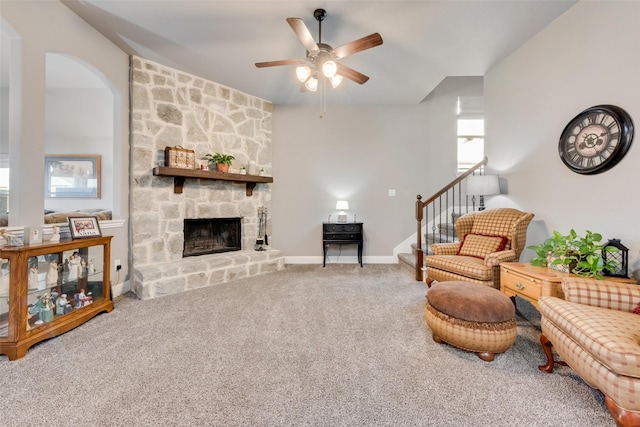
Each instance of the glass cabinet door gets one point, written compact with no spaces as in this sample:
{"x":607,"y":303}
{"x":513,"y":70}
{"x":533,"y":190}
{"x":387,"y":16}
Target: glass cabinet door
{"x":5,"y":268}
{"x":59,"y":283}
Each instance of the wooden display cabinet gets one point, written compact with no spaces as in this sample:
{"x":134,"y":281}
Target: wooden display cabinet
{"x":50,"y":288}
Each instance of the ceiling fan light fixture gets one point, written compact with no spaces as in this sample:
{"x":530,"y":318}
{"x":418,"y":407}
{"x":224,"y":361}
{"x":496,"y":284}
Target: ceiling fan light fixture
{"x":329,"y":69}
{"x":311,"y":84}
{"x":320,"y":61}
{"x":303,"y":72}
{"x":336,"y":80}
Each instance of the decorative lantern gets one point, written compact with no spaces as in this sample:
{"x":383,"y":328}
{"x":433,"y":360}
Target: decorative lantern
{"x":621,"y":255}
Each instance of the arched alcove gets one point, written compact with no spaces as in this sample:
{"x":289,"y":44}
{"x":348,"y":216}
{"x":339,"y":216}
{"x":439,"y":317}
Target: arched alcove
{"x":79,"y":120}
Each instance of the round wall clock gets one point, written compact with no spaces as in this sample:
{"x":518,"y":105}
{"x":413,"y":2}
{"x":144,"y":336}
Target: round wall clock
{"x":596,"y":139}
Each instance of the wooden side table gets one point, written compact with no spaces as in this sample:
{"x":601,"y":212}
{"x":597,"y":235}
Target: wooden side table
{"x":531,"y":282}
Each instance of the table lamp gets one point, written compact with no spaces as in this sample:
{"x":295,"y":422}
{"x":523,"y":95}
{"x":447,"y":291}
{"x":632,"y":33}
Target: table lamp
{"x":482,"y":185}
{"x":342,"y":206}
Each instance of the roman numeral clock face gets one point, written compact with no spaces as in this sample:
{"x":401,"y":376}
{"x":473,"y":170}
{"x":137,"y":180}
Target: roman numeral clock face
{"x":596,"y":139}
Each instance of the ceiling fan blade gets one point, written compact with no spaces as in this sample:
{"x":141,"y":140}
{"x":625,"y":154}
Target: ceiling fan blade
{"x":303,"y":33}
{"x":282,"y":62}
{"x":359,"y":45}
{"x":351,"y":74}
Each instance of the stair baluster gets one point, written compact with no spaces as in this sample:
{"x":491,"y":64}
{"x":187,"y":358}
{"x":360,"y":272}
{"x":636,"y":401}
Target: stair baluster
{"x":437,"y":212}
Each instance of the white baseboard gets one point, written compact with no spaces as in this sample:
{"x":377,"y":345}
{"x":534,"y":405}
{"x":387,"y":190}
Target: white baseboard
{"x":120,"y":288}
{"x":341,"y":260}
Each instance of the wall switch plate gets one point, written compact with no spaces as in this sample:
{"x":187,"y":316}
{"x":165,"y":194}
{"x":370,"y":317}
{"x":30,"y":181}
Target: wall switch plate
{"x":392,"y":193}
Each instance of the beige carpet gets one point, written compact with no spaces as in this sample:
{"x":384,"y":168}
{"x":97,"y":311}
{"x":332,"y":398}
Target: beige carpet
{"x":307,"y":346}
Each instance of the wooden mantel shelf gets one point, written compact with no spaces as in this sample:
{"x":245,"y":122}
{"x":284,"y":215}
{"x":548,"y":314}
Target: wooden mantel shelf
{"x":179,"y":175}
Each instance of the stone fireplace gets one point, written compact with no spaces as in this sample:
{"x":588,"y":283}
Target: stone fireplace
{"x":169,"y":108}
{"x":211,"y":236}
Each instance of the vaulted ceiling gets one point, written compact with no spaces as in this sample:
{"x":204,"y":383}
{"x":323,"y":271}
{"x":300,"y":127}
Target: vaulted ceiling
{"x":424,"y":41}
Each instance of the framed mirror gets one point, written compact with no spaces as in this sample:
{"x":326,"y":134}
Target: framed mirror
{"x":72,"y":176}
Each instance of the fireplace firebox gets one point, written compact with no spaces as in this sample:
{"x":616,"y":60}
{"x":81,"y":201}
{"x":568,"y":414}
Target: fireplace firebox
{"x":211,"y":235}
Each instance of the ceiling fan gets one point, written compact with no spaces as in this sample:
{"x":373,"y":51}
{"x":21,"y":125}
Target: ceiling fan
{"x":321,"y":58}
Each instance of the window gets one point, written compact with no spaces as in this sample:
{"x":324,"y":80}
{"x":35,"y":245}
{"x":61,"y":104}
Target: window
{"x":470,"y":132}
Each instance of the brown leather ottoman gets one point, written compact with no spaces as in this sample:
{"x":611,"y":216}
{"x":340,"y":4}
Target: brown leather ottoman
{"x":472,"y":317}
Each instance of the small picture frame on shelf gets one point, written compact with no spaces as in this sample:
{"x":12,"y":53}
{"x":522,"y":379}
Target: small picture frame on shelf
{"x":32,"y":235}
{"x":86,"y":226}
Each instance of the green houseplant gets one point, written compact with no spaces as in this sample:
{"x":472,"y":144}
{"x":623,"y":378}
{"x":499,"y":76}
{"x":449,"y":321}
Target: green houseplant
{"x":581,"y":255}
{"x":222,"y":161}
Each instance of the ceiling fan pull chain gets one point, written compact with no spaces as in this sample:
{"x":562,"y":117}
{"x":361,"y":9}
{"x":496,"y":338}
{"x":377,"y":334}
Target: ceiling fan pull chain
{"x":323,"y":100}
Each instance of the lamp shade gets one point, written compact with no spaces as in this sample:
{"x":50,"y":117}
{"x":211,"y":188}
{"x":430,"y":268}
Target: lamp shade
{"x":311,"y":84}
{"x":329,"y":69}
{"x":342,"y":205}
{"x":336,"y":80}
{"x":483,"y":185}
{"x":303,"y":73}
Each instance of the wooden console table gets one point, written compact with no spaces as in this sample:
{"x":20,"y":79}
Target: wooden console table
{"x":531,"y":282}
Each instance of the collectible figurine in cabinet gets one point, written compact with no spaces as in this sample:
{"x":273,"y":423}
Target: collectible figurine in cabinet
{"x":91,"y":268}
{"x":33,"y":277}
{"x":62,"y":305}
{"x":46,"y":312}
{"x":56,"y":234}
{"x":82,"y":275}
{"x":51,"y":279}
{"x":10,"y":239}
{"x":83,"y":299}
{"x":53,"y":298}
{"x":32,"y":310}
{"x":74,"y":267}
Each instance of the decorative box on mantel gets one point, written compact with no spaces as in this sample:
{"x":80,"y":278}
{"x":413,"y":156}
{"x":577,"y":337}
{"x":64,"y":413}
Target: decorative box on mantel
{"x":180,"y":175}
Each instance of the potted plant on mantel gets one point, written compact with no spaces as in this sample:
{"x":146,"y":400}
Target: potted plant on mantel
{"x":572,"y":253}
{"x":222,"y":161}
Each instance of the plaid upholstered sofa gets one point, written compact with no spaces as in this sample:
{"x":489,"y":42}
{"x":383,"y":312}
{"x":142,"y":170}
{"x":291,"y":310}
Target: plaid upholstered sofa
{"x":486,"y":239}
{"x":597,"y":333}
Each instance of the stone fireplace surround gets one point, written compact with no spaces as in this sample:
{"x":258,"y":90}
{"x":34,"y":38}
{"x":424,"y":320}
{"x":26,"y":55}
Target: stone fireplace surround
{"x":168,"y":108}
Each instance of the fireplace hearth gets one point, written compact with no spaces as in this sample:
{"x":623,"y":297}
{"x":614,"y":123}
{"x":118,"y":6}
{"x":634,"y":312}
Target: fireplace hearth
{"x":211,"y":235}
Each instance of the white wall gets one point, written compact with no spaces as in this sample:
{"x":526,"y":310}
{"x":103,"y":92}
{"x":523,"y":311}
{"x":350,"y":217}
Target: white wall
{"x":49,"y":26}
{"x":358,"y":153}
{"x":575,"y":63}
{"x":80,"y":121}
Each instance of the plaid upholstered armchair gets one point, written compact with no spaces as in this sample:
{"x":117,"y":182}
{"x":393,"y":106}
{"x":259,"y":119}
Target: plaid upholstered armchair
{"x":596,"y":331}
{"x":487,"y":238}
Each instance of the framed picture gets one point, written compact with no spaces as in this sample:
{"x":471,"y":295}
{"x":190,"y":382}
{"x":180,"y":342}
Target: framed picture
{"x":85,"y":226}
{"x":72,"y":175}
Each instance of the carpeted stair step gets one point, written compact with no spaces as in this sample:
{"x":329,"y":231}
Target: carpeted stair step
{"x":407,"y":262}
{"x":439,"y":238}
{"x":444,"y":234}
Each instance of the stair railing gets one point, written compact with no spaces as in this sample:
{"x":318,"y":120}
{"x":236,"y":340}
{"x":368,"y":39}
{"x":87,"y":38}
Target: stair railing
{"x":440,"y":206}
